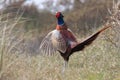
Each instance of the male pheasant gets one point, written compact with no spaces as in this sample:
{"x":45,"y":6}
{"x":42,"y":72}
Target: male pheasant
{"x":63,"y":40}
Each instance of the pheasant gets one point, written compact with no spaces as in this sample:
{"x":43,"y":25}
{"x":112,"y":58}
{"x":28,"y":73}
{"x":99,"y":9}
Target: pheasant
{"x":64,"y":41}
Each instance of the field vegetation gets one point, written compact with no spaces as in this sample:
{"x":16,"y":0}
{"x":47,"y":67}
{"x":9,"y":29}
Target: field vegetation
{"x":23,"y":28}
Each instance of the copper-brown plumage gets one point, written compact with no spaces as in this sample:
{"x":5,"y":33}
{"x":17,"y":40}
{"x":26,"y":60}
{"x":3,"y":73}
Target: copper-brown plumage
{"x":63,"y":40}
{"x":80,"y":46}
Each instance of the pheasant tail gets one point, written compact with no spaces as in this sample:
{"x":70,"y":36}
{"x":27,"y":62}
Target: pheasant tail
{"x":88,"y":41}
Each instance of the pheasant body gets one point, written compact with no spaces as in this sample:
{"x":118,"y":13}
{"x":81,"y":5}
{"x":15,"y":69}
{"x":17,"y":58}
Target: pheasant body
{"x":63,"y":40}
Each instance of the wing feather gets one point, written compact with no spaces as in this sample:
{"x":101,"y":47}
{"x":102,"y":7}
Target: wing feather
{"x":53,"y":42}
{"x":46,"y":47}
{"x":58,"y":41}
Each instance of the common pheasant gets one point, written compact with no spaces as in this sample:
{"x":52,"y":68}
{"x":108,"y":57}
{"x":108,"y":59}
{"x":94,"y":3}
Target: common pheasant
{"x":63,"y":40}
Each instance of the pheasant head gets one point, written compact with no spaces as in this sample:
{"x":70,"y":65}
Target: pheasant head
{"x":60,"y":20}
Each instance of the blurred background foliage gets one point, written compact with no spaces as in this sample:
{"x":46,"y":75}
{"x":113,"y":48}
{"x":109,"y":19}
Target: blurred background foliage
{"x":84,"y":19}
{"x":81,"y":19}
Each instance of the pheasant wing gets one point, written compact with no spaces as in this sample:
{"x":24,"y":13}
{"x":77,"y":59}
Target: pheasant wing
{"x":46,"y":46}
{"x":53,"y":42}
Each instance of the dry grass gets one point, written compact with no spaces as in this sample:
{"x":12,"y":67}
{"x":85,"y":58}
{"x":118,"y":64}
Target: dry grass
{"x":100,"y":61}
{"x":97,"y":62}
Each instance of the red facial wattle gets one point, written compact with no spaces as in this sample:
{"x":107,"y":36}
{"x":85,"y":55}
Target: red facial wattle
{"x":58,"y":14}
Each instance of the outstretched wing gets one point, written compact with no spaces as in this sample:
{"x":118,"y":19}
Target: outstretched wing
{"x":87,"y":41}
{"x":53,"y":42}
{"x":46,"y":46}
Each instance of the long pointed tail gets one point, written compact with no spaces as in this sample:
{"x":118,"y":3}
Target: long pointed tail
{"x":88,"y":40}
{"x":103,"y":29}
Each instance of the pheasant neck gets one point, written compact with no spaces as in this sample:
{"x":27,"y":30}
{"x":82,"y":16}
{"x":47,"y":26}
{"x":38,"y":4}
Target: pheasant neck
{"x":60,"y":21}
